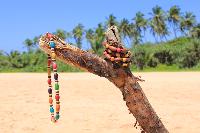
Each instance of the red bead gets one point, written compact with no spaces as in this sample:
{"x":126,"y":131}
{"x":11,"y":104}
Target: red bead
{"x":118,"y":50}
{"x":49,"y":62}
{"x":57,"y":97}
{"x":54,"y":65}
{"x":49,"y":81}
{"x":49,"y":35}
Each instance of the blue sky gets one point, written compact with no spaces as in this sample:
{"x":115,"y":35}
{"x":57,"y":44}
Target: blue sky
{"x":21,"y":19}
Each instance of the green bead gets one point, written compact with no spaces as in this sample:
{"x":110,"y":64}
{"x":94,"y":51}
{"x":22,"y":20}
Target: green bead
{"x":57,"y":116}
{"x":56,"y":86}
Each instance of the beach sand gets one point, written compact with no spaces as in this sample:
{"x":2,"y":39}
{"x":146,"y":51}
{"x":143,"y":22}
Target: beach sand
{"x":90,"y":104}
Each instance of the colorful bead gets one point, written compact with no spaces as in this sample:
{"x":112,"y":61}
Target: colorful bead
{"x":50,"y":91}
{"x":49,"y":72}
{"x":118,"y":50}
{"x":53,"y":55}
{"x":51,"y":110}
{"x":49,"y":62}
{"x":112,"y":59}
{"x":117,"y":54}
{"x":107,"y":46}
{"x":52,"y":119}
{"x":57,"y":107}
{"x":52,"y":44}
{"x":56,"y":86}
{"x":49,"y":35}
{"x":49,"y":81}
{"x":54,"y":65}
{"x":50,"y":100}
{"x":124,"y":59}
{"x":57,"y":116}
{"x":57,"y":97}
{"x":125,"y":64}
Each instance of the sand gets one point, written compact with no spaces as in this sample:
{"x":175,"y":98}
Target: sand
{"x":90,"y":104}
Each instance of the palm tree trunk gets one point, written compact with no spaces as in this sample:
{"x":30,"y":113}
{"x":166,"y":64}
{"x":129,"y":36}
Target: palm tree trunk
{"x":122,"y":78}
{"x":174,"y":29}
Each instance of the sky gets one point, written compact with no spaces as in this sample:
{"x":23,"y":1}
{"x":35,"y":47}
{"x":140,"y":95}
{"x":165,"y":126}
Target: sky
{"x":21,"y":19}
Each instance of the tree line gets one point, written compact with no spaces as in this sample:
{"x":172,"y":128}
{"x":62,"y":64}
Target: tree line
{"x":176,"y":35}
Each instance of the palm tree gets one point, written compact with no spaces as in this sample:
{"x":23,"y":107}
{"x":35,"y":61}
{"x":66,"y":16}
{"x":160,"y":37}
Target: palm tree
{"x":188,"y":20}
{"x":78,"y":33}
{"x":195,"y":31}
{"x":95,"y":38}
{"x":111,"y":20}
{"x":29,"y":44}
{"x":140,"y":23}
{"x":174,"y":18}
{"x":157,"y":22}
{"x":61,"y":34}
{"x":125,"y":29}
{"x":135,"y":34}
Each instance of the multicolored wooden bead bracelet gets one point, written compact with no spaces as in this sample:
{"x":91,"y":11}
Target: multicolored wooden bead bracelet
{"x":117,"y":54}
{"x":52,"y":62}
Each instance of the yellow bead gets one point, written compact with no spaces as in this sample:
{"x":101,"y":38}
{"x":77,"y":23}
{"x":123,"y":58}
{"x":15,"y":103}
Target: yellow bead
{"x":124,"y":59}
{"x":125,"y":65}
{"x":109,"y":51}
{"x":107,"y":45}
{"x":53,"y":55}
{"x":117,"y":54}
{"x":112,"y":59}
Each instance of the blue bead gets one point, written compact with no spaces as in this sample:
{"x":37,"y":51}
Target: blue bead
{"x":57,"y":116}
{"x":51,"y":110}
{"x":52,"y":44}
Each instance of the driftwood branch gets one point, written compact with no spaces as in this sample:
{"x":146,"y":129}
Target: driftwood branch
{"x":132,"y":92}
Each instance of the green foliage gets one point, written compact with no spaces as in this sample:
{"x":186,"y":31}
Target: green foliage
{"x":181,"y":53}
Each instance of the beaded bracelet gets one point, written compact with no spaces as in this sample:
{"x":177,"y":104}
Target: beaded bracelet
{"x":52,"y":62}
{"x":116,"y":54}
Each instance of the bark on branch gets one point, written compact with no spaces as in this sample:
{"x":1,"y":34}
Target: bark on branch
{"x":132,"y":92}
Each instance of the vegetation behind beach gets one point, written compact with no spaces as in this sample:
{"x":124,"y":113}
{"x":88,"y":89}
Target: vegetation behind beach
{"x":176,"y":46}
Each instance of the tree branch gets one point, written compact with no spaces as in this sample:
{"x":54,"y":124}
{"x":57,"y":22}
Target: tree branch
{"x":135,"y":98}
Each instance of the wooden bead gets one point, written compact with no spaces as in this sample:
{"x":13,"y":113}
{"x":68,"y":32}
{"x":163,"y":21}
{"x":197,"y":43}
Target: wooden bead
{"x":125,"y":65}
{"x":124,"y":59}
{"x":57,"y":107}
{"x":107,"y":45}
{"x":56,"y":86}
{"x":54,"y":65}
{"x":109,"y":51}
{"x":49,"y":35}
{"x":49,"y":71}
{"x":53,"y":55}
{"x":57,"y":97}
{"x":53,"y":119}
{"x":50,"y":91}
{"x":118,"y":50}
{"x":50,"y":100}
{"x":118,"y":54}
{"x":49,"y":62}
{"x":112,"y":48}
{"x":117,"y":59}
{"x":49,"y":81}
{"x":112,"y":59}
